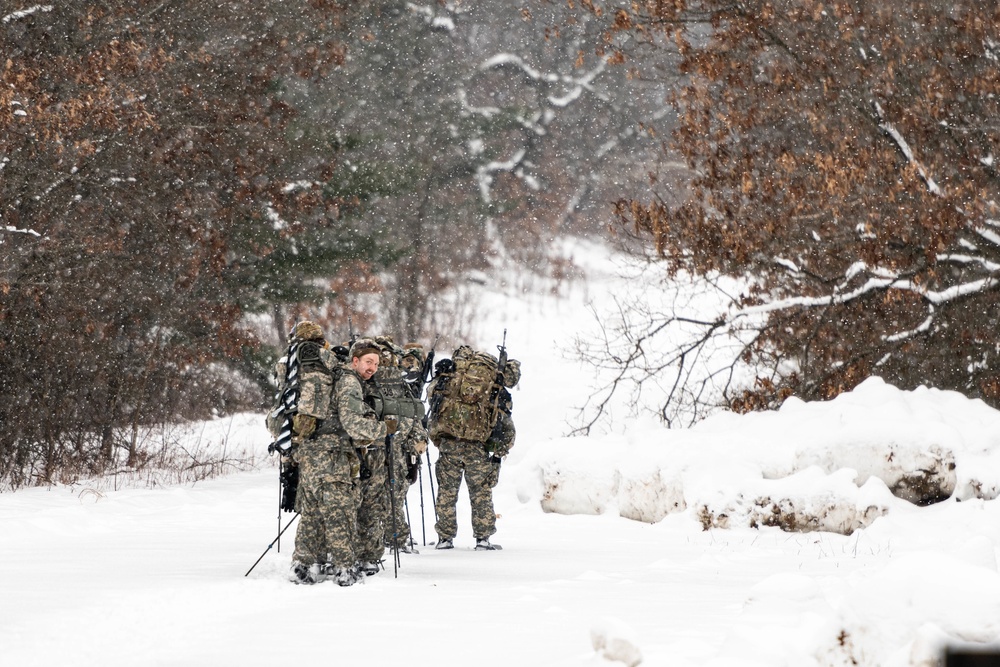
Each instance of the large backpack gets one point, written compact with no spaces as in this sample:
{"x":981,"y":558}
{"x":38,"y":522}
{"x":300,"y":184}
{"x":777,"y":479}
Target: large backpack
{"x":462,"y":399}
{"x":301,"y":357}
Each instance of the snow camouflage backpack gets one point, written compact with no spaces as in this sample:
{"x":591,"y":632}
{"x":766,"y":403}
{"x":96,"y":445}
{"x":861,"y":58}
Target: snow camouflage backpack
{"x":462,"y":398}
{"x":302,"y":355}
{"x":286,"y":398}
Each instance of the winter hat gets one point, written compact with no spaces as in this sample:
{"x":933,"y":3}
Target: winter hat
{"x":511,"y":373}
{"x":363,"y":346}
{"x":306,"y":330}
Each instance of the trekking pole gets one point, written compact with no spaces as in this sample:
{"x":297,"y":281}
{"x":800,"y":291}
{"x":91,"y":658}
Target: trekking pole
{"x":392,"y":504}
{"x":292,"y":520}
{"x":280,"y":468}
{"x":430,"y":478}
{"x":406,"y":508}
{"x":423,"y":525}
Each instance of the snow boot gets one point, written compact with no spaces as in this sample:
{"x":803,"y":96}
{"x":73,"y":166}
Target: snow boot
{"x":300,"y":574}
{"x":483,"y":544}
{"x":444,"y":544}
{"x":407,"y":548}
{"x":370,"y":567}
{"x":348,"y":576}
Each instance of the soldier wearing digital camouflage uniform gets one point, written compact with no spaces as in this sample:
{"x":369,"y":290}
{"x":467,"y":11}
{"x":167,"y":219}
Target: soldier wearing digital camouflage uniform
{"x":478,"y":461}
{"x":392,"y":396}
{"x":373,"y":499}
{"x":331,"y":425}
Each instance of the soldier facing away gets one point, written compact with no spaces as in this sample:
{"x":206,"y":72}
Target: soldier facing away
{"x":471,"y":426}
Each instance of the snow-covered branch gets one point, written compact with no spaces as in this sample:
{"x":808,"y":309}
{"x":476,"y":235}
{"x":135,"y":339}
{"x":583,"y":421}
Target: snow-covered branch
{"x":577,"y":84}
{"x":904,"y":147}
{"x":484,"y":174}
{"x":435,"y":20}
{"x":26,"y":12}
{"x":15,"y":230}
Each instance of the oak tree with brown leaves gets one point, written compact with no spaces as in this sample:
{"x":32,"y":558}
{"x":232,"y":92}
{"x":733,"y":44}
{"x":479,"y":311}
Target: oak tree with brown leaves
{"x":843,"y":169}
{"x":152,"y":195}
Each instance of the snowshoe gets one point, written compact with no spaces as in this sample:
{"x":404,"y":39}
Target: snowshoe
{"x":484,"y":544}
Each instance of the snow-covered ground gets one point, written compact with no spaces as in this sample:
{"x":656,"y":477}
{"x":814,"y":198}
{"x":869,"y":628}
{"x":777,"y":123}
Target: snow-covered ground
{"x":636,"y":544}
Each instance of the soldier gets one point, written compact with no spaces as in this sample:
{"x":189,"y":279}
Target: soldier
{"x":332,"y":423}
{"x":471,"y":439}
{"x":393,"y":396}
{"x":373,"y":500}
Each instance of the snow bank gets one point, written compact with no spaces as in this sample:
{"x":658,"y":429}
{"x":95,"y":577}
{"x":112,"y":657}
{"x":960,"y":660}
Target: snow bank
{"x":833,"y":466}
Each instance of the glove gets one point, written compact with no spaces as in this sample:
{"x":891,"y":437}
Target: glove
{"x":303,"y":425}
{"x":391,"y":425}
{"x":444,"y":366}
{"x":419,"y":447}
{"x":412,"y":469}
{"x":289,"y":477}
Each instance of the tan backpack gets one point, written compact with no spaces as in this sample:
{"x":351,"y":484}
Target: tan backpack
{"x":462,"y":399}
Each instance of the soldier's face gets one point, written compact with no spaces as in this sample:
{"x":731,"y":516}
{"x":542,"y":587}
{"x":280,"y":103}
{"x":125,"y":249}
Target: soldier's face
{"x":366,"y":365}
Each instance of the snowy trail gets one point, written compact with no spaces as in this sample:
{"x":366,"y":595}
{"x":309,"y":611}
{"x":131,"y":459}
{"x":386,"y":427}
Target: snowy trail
{"x":156,"y":576}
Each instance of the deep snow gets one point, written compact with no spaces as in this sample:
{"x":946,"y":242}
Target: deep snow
{"x":95,"y":576}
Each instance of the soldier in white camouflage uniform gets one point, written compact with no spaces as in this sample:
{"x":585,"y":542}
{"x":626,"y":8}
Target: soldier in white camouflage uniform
{"x":332,"y":423}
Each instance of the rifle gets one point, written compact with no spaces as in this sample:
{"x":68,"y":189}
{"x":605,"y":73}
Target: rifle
{"x":426,"y":371}
{"x":501,"y":367}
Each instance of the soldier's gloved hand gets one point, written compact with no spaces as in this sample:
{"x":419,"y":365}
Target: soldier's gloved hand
{"x":303,"y":425}
{"x":391,"y":425}
{"x":419,"y":447}
{"x":412,"y":469}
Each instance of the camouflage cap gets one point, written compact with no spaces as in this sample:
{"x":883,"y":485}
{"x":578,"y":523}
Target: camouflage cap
{"x":384,"y":342}
{"x":306,"y":330}
{"x":363,"y":346}
{"x":511,"y":373}
{"x":412,"y":356}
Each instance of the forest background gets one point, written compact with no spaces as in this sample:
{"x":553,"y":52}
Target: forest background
{"x":182,"y":180}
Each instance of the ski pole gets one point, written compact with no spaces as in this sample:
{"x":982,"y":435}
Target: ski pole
{"x":272,"y":543}
{"x":430,"y":478}
{"x":392,"y":504}
{"x":281,"y":469}
{"x":423,"y":525}
{"x":406,"y":509}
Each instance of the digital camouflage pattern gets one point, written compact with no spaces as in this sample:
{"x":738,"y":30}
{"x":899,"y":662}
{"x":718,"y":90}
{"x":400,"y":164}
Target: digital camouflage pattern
{"x":315,"y":381}
{"x":502,"y":438}
{"x":410,"y":441}
{"x":354,"y":416}
{"x":329,"y":466}
{"x":458,"y":457}
{"x":325,"y":498}
{"x":359,"y":422}
{"x":373,"y":507}
{"x":326,"y":501}
{"x":393,"y":396}
{"x":475,"y":458}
